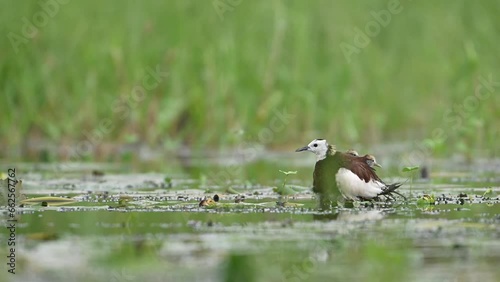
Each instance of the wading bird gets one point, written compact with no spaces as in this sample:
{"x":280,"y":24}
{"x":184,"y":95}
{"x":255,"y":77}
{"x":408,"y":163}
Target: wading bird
{"x":351,"y":175}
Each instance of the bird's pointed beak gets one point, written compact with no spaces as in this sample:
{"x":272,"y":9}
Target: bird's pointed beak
{"x":306,"y":148}
{"x":377,"y":164}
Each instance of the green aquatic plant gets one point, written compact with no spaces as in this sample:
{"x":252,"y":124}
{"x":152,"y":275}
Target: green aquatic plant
{"x":411,"y":170}
{"x":284,"y":190}
{"x":168,"y":181}
{"x":426,"y":200}
{"x":488,"y":193}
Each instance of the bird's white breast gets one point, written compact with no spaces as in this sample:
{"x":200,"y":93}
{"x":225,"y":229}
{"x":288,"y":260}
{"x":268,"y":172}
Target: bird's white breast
{"x":352,"y":187}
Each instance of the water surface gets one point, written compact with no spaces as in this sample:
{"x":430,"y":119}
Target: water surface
{"x":122,"y":226}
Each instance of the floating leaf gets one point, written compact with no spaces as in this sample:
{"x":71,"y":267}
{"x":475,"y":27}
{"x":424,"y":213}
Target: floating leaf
{"x":230,"y":190}
{"x":284,"y":191}
{"x":292,"y":205}
{"x":51,"y":201}
{"x":300,"y":189}
{"x":488,"y":193}
{"x":410,"y":168}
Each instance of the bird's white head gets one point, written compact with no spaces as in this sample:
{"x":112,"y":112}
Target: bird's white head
{"x":318,"y":146}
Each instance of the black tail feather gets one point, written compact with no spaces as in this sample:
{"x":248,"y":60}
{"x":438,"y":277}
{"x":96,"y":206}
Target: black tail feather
{"x":390,"y":189}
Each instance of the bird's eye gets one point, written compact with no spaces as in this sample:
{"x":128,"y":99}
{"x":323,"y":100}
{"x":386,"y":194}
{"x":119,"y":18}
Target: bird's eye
{"x":315,"y":145}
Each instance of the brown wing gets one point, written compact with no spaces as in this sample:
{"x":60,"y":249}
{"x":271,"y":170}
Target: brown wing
{"x":359,"y":167}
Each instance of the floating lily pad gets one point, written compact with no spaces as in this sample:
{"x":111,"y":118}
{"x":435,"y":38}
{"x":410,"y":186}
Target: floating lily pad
{"x":51,"y":201}
{"x":285,"y":191}
{"x":231,"y":190}
{"x":488,"y":193}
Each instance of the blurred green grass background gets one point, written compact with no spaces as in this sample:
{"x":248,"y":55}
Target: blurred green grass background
{"x":230,"y":73}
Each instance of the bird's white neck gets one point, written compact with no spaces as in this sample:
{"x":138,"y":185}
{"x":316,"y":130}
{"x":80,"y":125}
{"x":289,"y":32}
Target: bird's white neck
{"x":321,"y":155}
